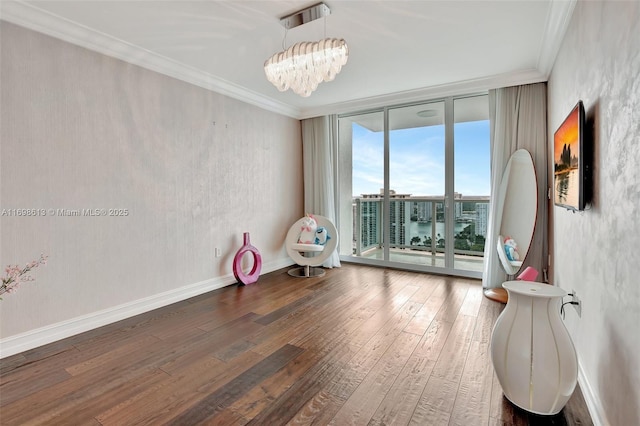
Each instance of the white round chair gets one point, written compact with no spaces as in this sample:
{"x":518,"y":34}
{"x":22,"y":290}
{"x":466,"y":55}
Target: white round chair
{"x":310,"y":256}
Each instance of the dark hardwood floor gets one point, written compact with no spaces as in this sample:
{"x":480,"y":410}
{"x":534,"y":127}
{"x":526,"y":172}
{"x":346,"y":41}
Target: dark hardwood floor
{"x":360,"y":345}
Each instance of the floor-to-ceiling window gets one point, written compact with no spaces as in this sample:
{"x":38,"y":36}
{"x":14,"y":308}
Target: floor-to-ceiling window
{"x":414,"y":185}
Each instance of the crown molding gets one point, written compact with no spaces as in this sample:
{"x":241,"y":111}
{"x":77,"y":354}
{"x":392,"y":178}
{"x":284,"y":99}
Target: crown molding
{"x":36,"y":19}
{"x":31,"y":17}
{"x":558,"y":18}
{"x":458,"y":88}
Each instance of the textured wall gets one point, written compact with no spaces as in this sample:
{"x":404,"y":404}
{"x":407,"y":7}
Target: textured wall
{"x":597,"y":252}
{"x":195,"y":169}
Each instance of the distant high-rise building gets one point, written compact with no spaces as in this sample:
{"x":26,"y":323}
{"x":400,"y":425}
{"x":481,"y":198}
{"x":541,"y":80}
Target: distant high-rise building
{"x":371,"y":213}
{"x":424,"y":210}
{"x":400,"y":216}
{"x":367,"y":222}
{"x":457,"y":206}
{"x":482,"y":216}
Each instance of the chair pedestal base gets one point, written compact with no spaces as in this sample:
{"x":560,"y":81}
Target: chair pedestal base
{"x":306,"y":272}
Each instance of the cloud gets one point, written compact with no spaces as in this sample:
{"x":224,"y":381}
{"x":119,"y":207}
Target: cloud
{"x":416,"y":163}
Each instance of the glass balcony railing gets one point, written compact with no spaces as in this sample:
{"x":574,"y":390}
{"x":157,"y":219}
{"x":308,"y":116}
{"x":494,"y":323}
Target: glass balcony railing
{"x":417,"y":226}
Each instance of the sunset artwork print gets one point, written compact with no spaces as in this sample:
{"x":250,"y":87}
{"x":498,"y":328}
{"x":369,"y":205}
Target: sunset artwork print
{"x":566,"y":158}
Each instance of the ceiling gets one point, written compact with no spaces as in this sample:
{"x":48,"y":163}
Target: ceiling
{"x":400,"y":51}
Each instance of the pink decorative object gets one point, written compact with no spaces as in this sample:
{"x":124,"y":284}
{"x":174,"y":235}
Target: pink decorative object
{"x":16,"y":275}
{"x":252,"y":277}
{"x":529,"y":274}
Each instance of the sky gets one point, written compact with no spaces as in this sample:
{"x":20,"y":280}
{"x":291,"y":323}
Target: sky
{"x":416,"y":161}
{"x":567,"y":134}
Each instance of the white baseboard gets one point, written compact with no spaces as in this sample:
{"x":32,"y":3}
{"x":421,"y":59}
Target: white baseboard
{"x":593,"y":403}
{"x":41,"y":336}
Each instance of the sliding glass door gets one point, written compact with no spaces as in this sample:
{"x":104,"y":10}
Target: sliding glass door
{"x":471,"y":186}
{"x":361,"y":156}
{"x":417,"y":176}
{"x":401,"y":170}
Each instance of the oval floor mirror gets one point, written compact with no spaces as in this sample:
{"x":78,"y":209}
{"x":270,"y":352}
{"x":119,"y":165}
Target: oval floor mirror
{"x":517,"y":208}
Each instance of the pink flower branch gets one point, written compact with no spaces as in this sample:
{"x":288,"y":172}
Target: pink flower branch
{"x":15,"y":275}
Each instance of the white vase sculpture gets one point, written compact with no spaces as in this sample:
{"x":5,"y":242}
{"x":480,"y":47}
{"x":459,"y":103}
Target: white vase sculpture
{"x":531,"y":350}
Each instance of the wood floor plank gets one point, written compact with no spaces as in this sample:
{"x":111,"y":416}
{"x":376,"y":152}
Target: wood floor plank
{"x":33,"y":370}
{"x":284,"y":394}
{"x":84,"y":413}
{"x":576,"y":411}
{"x":319,"y":410}
{"x":358,"y":318}
{"x":287,"y":299}
{"x":129,"y":329}
{"x":425,"y":288}
{"x":229,"y":352}
{"x":501,"y":411}
{"x":400,"y":402}
{"x":221,"y":399}
{"x":487,"y":316}
{"x":433,"y":340}
{"x":423,"y":318}
{"x":455,"y":296}
{"x":473,"y":399}
{"x":473,"y":300}
{"x":191,"y":318}
{"x":436,"y":402}
{"x":192,"y":347}
{"x":11,"y":363}
{"x":87,"y":383}
{"x":226,"y":417}
{"x":42,"y":406}
{"x":386,"y":318}
{"x":235,"y":330}
{"x":310,"y":322}
{"x":359,"y":345}
{"x":21,"y":387}
{"x":316,"y":328}
{"x":326,"y":297}
{"x":112,"y":356}
{"x":364,"y":401}
{"x":166,"y":400}
{"x":370,"y":353}
{"x":454,"y":352}
{"x":268,"y":289}
{"x":271,"y":338}
{"x":429,"y":415}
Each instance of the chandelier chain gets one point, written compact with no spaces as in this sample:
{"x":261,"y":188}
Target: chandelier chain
{"x":284,"y":39}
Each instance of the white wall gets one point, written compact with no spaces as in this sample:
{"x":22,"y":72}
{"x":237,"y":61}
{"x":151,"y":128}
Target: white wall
{"x":194,"y":169}
{"x":597,"y":252}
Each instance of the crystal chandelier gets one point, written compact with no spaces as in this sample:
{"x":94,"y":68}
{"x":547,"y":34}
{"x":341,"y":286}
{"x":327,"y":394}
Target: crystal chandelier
{"x":304,"y":65}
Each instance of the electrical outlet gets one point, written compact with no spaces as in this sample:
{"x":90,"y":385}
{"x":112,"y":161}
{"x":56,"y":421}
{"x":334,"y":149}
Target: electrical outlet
{"x":218,"y":252}
{"x":576,"y":303}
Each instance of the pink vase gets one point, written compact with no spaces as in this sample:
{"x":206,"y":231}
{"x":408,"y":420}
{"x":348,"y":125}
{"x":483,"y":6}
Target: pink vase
{"x":252,"y":277}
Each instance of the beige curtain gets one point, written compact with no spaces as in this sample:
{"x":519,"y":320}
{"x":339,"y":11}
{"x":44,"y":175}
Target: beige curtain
{"x":518,"y":120}
{"x":318,"y":158}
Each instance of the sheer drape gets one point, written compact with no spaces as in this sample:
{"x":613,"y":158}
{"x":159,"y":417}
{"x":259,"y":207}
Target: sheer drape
{"x":518,"y":118}
{"x":318,"y":151}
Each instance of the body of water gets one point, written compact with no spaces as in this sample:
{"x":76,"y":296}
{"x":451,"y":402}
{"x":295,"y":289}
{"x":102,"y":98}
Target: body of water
{"x":567,"y":187}
{"x":422,"y":229}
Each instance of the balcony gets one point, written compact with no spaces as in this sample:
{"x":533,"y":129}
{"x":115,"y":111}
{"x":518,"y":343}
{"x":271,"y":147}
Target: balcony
{"x":417,"y":231}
